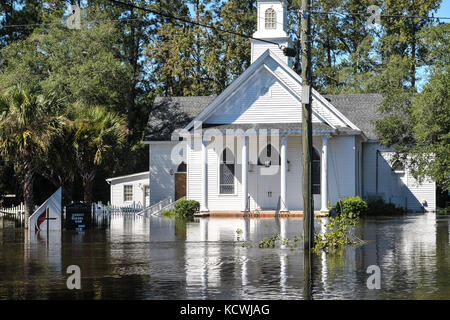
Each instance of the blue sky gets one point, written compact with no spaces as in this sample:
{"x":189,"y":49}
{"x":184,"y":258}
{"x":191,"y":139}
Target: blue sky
{"x":444,"y":10}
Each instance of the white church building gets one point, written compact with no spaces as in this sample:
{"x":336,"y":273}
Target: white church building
{"x":242,"y":150}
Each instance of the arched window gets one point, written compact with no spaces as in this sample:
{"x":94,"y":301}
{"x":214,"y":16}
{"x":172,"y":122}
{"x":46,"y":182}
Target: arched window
{"x":182,"y":167}
{"x":315,"y":172}
{"x":270,"y":18}
{"x":226,"y":172}
{"x":269,"y":156}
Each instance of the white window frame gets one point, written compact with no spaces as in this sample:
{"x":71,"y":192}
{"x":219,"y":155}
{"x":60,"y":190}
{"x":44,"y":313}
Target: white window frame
{"x":272,"y":24}
{"x":124,"y":192}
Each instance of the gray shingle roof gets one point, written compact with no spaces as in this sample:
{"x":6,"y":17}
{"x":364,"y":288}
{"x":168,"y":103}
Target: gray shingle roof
{"x":361,"y":109}
{"x":170,"y":113}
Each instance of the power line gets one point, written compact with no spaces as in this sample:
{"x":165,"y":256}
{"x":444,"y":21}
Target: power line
{"x":381,"y":15}
{"x":169,"y":16}
{"x":59,"y":23}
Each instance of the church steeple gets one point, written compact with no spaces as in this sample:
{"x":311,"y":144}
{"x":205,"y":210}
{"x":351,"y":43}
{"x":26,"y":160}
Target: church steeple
{"x":272,"y":18}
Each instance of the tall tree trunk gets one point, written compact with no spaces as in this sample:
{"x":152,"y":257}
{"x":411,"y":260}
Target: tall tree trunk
{"x":88,"y":185}
{"x":28,"y":195}
{"x":67,"y":192}
{"x":133,"y":58}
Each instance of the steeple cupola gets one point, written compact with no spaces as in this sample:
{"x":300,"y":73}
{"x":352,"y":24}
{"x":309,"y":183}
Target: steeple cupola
{"x":272,"y":18}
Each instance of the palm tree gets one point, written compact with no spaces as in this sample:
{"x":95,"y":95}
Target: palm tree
{"x":99,"y":135}
{"x":27,"y":126}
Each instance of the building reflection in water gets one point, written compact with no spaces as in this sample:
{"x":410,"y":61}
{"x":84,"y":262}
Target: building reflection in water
{"x":159,"y":258}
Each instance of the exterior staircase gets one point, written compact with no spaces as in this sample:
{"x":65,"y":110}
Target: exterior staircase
{"x":157,"y":208}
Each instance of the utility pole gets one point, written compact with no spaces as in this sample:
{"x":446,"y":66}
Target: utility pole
{"x":308,"y":210}
{"x":308,"y":213}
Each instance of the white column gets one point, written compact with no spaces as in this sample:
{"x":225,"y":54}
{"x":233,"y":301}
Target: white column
{"x":283,"y":193}
{"x":324,"y":175}
{"x":244,"y":206}
{"x":204,"y":161}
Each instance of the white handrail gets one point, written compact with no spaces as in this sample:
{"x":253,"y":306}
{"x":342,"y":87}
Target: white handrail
{"x":157,"y":207}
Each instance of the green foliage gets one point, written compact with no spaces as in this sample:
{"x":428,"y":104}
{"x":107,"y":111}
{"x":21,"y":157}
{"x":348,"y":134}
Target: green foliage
{"x":378,"y":207}
{"x":99,"y":136}
{"x":27,"y":128}
{"x":338,"y":235}
{"x":269,"y":243}
{"x":445,"y":211}
{"x":430,"y":119}
{"x":168,"y":213}
{"x":351,"y":207}
{"x":274,"y":241}
{"x":191,"y":60}
{"x":81,"y":67}
{"x":186,"y":208}
{"x":243,"y":244}
{"x":416,"y":125}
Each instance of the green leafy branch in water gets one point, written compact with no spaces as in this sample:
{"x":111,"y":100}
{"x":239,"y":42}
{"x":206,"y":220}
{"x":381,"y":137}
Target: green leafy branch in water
{"x":272,"y":242}
{"x":338,"y":235}
{"x":243,"y":244}
{"x":269,"y":243}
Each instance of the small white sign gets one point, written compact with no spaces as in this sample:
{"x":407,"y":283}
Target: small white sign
{"x":306,"y":94}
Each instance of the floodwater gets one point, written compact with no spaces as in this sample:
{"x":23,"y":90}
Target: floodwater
{"x":158,"y":258}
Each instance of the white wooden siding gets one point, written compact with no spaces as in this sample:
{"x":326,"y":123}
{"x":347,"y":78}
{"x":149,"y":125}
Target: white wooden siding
{"x":259,"y":47}
{"x":250,"y":105}
{"x":271,"y":96}
{"x":396,"y":187}
{"x":318,"y":107}
{"x":137,"y":182}
{"x":426,"y":191}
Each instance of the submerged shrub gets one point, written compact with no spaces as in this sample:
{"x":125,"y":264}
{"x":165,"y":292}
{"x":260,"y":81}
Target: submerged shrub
{"x":168,"y":213}
{"x":378,"y":207}
{"x":186,"y":208}
{"x":351,"y":207}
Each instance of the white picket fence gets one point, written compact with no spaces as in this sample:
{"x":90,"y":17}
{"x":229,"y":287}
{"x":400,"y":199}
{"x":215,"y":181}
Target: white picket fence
{"x":108,"y":209}
{"x":18,"y":212}
{"x":15,"y":212}
{"x":20,"y":209}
